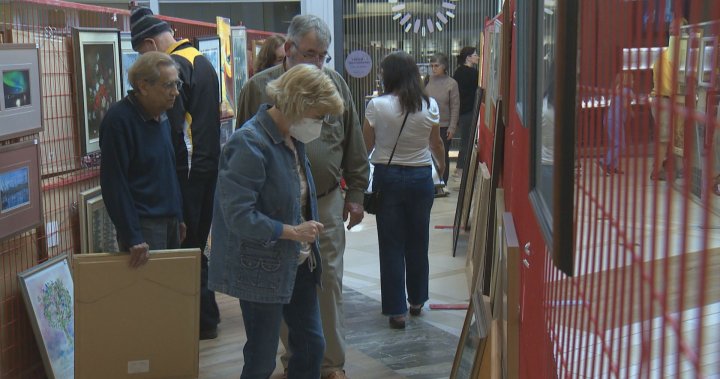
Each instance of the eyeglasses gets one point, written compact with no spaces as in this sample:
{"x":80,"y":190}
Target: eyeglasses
{"x":434,"y":65}
{"x":177,"y":84}
{"x":325,"y":57}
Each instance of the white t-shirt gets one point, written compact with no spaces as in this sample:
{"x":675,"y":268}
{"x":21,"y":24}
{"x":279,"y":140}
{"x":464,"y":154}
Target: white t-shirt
{"x":385,"y":114}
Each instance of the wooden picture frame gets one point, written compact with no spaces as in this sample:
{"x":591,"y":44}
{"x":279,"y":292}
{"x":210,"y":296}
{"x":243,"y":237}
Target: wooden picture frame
{"x":128,"y":56}
{"x":210,"y":48}
{"x":21,"y":106}
{"x":510,"y":299}
{"x":257,"y":45}
{"x":478,"y":237}
{"x":47,"y":290}
{"x":98,"y":81}
{"x":20,"y":187}
{"x":471,"y":349}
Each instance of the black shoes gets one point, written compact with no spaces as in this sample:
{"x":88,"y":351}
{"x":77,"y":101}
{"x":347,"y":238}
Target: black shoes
{"x":209,"y":334}
{"x":397,"y":322}
{"x":415,"y":310}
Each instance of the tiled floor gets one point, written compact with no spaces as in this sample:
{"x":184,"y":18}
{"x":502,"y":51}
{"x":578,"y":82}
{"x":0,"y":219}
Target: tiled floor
{"x":424,"y":350}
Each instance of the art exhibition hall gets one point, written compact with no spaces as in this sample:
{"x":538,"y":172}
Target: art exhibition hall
{"x":331,"y":189}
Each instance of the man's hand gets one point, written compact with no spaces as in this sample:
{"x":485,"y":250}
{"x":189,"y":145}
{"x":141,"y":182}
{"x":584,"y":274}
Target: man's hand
{"x":449,"y":135}
{"x":356,"y":212}
{"x":183,"y":231}
{"x":139,"y":255}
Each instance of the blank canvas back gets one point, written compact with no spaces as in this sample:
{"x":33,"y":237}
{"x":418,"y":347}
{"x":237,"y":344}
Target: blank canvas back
{"x":139,"y":323}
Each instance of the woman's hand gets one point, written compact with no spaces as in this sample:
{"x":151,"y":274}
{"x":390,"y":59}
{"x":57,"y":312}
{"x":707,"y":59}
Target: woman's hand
{"x":308,"y":231}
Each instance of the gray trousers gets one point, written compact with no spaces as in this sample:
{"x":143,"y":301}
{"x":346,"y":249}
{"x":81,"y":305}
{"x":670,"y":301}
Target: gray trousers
{"x":159,"y":233}
{"x":332,"y":249}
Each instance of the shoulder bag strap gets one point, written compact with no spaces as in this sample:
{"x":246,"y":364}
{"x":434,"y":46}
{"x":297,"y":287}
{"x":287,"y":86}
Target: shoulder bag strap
{"x":398,"y":139}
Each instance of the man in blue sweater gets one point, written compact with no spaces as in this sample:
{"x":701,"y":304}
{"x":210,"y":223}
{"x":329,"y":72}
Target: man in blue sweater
{"x":137,"y":172}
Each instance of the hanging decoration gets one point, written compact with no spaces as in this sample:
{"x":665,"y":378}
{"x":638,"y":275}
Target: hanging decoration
{"x":423,"y":22}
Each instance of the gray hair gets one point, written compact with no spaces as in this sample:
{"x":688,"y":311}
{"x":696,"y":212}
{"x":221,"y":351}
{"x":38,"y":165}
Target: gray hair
{"x":303,"y":24}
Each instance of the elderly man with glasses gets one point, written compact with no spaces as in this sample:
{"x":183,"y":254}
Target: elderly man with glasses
{"x":139,"y":186}
{"x":338,"y":153}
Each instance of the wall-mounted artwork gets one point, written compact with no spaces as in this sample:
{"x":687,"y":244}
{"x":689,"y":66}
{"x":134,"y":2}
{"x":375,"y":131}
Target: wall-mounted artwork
{"x":238,"y":36}
{"x":227,"y":126}
{"x":20,"y":204}
{"x":48,"y":293}
{"x":98,"y":80}
{"x":708,"y":70}
{"x":128,"y":56}
{"x":210,"y":47}
{"x":20,"y":107}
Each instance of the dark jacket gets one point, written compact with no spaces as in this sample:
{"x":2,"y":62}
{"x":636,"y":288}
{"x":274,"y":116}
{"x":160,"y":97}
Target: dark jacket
{"x":195,"y":117}
{"x":467,"y":79}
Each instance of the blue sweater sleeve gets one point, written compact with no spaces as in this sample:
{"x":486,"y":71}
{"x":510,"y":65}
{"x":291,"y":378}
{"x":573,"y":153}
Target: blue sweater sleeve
{"x":114,"y":166}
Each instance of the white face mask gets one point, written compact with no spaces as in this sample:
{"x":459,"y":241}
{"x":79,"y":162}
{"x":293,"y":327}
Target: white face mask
{"x":306,"y":130}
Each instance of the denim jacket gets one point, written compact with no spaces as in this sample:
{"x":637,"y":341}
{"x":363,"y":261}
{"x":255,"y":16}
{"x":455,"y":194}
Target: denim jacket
{"x":258,"y":190}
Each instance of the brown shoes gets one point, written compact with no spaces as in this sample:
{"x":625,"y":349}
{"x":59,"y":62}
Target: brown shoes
{"x":340,"y":374}
{"x":397,"y":322}
{"x":415,"y":310}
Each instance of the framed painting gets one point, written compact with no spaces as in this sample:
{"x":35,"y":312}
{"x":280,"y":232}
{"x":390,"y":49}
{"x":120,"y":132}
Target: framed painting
{"x":97,"y":231}
{"x":708,"y":70}
{"x":97,"y":81}
{"x":471,"y":347}
{"x":209,"y":46}
{"x":128,"y":56}
{"x":20,"y":200}
{"x":48,"y":293}
{"x":257,"y":45}
{"x":238,"y":39}
{"x":21,"y":105}
{"x":478,"y":233}
{"x":552,"y":170}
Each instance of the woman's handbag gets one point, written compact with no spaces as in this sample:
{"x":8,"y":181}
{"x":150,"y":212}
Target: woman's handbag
{"x":372,"y":200}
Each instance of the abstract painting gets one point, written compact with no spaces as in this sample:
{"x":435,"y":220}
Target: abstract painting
{"x":48,"y":293}
{"x":16,"y":88}
{"x":97,"y":62}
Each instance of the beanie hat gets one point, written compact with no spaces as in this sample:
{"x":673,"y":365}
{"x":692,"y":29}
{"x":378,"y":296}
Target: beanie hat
{"x":144,"y":25}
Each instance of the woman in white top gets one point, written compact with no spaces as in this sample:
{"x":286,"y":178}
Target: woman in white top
{"x":403,"y":175}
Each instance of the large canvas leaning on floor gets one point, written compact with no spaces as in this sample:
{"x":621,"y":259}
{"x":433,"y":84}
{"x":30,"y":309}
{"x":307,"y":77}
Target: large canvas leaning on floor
{"x":20,"y":200}
{"x":20,"y":105}
{"x":98,"y":81}
{"x":150,"y":314}
{"x":48,"y":293}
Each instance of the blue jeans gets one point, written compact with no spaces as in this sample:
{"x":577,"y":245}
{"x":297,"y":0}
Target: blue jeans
{"x":403,"y":224}
{"x":302,"y":316}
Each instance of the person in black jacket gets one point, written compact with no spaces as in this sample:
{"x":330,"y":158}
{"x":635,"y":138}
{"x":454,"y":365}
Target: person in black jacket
{"x":195,"y":119}
{"x":466,"y":75}
{"x":141,"y":192}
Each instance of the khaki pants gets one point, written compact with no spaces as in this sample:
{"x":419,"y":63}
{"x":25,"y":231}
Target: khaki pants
{"x":660,"y":109}
{"x":332,"y":249}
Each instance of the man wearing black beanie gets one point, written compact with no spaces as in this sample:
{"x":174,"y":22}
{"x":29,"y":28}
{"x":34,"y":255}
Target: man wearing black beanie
{"x":195,"y":119}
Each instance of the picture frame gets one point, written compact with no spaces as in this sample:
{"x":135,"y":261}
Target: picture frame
{"x":238,"y":40}
{"x":20,"y":200}
{"x":98,"y":81}
{"x":128,"y":56}
{"x":257,"y":45}
{"x":552,"y":169}
{"x":478,"y":233}
{"x":97,"y":231}
{"x":21,"y":107}
{"x":227,"y":127}
{"x":708,"y":69}
{"x":209,"y":46}
{"x":471,"y":347}
{"x":48,"y":293}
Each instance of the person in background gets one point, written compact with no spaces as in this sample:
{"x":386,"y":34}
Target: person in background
{"x":137,"y":175}
{"x":619,"y":110}
{"x":403,"y":125}
{"x":661,"y":103}
{"x":466,"y":77}
{"x":271,"y":54}
{"x":444,"y":90}
{"x":265,"y":249}
{"x":195,"y":121}
{"x":338,"y":153}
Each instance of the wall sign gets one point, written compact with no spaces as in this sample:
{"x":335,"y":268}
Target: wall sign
{"x":358,"y":64}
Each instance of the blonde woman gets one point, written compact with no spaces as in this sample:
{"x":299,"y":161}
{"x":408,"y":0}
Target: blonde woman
{"x":265,"y":249}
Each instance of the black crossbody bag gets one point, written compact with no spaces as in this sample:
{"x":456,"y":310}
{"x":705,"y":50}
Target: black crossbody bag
{"x":372,"y":199}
